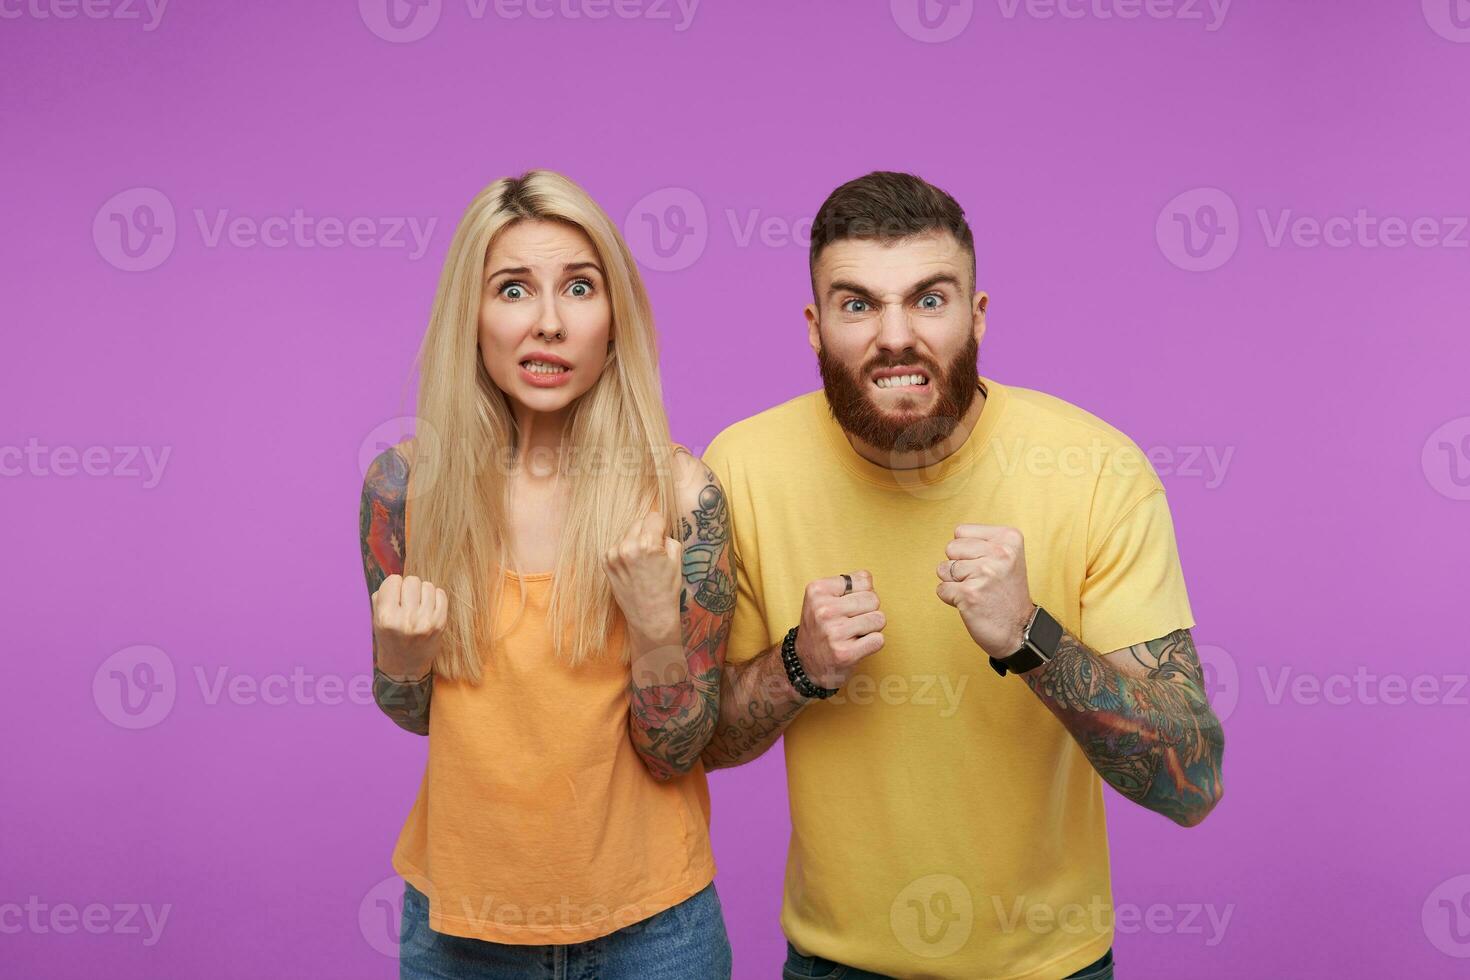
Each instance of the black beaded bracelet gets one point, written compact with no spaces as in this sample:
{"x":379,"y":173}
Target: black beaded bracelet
{"x":803,"y":684}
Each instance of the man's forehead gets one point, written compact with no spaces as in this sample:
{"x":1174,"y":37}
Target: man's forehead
{"x":893,"y":264}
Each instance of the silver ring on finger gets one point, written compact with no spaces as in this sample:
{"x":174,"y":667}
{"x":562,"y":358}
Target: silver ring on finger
{"x":846,"y":583}
{"x":952,"y":577}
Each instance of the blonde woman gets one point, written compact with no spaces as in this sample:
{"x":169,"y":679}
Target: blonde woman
{"x":551,"y":593}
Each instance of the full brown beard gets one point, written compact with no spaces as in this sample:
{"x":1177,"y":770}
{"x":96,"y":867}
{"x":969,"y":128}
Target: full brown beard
{"x":854,"y":410}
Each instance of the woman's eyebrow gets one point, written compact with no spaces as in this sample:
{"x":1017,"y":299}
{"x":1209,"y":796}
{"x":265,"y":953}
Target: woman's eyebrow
{"x":522,"y":270}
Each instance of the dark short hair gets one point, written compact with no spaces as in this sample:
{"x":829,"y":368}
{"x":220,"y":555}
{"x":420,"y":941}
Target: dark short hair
{"x":888,"y":207}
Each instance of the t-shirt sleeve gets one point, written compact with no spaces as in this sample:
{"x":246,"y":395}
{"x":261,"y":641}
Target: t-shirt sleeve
{"x":748,"y":635}
{"x":1134,"y":587}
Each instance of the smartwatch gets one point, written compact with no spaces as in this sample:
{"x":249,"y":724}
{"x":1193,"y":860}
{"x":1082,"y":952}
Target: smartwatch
{"x":1039,"y":642}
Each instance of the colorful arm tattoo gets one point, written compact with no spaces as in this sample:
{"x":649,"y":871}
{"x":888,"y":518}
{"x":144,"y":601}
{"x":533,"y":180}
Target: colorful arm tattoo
{"x":670,"y":718}
{"x":1145,"y":724}
{"x":757,"y":702}
{"x":381,"y":529}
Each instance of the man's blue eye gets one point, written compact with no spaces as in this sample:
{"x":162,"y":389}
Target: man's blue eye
{"x":930,"y":301}
{"x":856,"y":305}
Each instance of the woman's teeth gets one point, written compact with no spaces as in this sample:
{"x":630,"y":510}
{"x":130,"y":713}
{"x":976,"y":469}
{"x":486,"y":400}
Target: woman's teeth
{"x":901,"y":379}
{"x":539,"y":367}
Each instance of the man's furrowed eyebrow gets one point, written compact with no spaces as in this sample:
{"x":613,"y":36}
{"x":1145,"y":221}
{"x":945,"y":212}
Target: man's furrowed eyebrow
{"x":844,"y":286}
{"x":922,"y":286}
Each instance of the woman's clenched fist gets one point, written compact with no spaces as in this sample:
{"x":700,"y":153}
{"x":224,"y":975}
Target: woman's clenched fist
{"x":409,"y":615}
{"x":645,"y":571}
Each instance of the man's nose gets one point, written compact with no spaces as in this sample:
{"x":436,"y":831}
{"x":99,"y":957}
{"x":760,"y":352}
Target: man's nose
{"x":895,"y":332}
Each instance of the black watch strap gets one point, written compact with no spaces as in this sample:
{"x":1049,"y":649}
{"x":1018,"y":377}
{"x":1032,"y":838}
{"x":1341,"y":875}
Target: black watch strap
{"x":796,"y":675}
{"x":1039,"y":644}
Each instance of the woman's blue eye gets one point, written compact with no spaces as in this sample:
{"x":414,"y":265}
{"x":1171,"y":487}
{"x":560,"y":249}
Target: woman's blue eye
{"x":930,"y":301}
{"x":513,"y":290}
{"x":581,"y":287}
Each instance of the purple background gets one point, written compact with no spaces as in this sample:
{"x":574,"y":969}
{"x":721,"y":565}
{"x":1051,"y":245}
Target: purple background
{"x":1333,"y":543}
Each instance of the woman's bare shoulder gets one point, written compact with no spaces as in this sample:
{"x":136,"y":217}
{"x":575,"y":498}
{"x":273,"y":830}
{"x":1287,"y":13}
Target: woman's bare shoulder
{"x":694,"y":482}
{"x":386,"y":478}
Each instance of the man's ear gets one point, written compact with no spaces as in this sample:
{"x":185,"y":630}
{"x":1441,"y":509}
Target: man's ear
{"x":813,"y":321}
{"x":982,"y":300}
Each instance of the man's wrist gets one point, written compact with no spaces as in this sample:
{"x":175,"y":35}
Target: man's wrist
{"x":1019,"y":636}
{"x":796,"y":673}
{"x":1040,"y":638}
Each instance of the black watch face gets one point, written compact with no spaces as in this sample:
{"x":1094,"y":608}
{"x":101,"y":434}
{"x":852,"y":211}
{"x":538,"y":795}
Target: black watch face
{"x":1045,"y":635}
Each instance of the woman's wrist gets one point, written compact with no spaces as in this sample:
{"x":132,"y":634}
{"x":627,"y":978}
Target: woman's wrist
{"x":403,"y":670}
{"x":658,"y":626}
{"x":406,"y":679}
{"x":649,"y":637}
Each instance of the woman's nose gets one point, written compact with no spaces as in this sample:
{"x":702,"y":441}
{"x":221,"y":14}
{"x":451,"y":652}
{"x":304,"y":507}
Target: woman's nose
{"x":548,"y":323}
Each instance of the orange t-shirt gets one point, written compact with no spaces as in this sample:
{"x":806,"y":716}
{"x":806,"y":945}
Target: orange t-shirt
{"x":536,"y":821}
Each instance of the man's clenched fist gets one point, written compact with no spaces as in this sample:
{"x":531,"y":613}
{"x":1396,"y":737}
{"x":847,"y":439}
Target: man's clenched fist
{"x":408,"y":616}
{"x":984,"y":577}
{"x":838,"y":631}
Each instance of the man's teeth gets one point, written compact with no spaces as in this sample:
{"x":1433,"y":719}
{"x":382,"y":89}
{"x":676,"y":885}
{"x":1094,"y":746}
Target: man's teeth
{"x":901,"y":379}
{"x":540,"y":367}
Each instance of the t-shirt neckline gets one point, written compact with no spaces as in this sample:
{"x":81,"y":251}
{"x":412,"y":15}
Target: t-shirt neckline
{"x":528,"y":576}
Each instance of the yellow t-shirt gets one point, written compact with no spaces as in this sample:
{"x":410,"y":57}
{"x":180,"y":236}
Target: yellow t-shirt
{"x":943,"y":822}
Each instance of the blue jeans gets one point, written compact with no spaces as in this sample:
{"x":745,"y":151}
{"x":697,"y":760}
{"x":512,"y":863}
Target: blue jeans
{"x":800,"y":967}
{"x":687,"y":940}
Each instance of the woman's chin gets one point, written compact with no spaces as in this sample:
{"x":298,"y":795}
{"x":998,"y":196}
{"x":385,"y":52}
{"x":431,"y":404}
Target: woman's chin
{"x":544,"y":400}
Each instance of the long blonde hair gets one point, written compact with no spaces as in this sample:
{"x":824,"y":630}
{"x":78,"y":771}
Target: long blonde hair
{"x":619,"y":467}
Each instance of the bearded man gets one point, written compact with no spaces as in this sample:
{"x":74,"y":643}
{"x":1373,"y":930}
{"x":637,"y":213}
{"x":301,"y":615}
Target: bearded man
{"x":961,"y":603}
